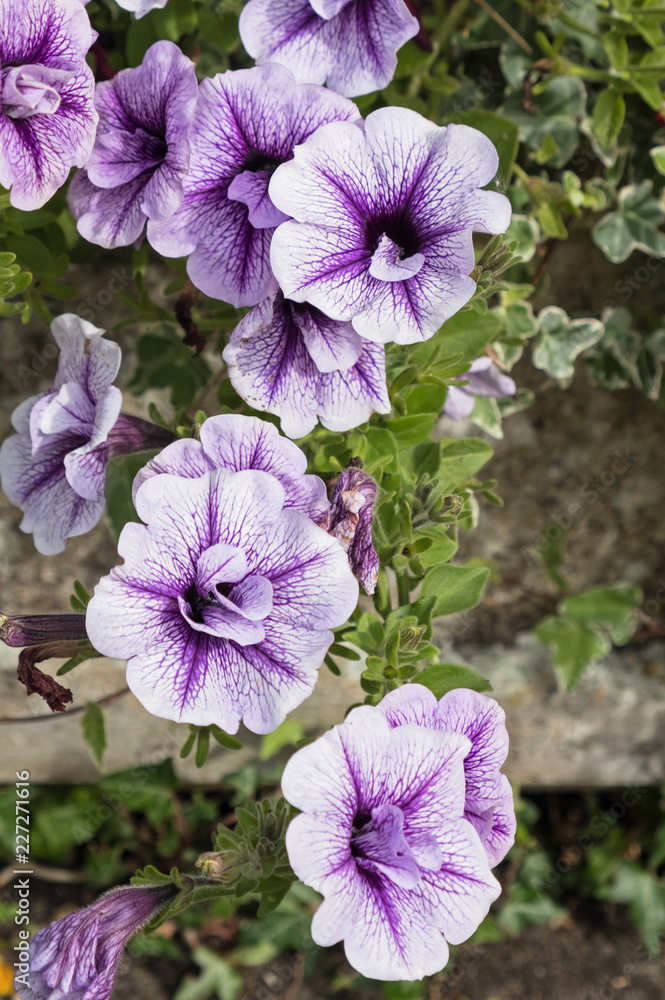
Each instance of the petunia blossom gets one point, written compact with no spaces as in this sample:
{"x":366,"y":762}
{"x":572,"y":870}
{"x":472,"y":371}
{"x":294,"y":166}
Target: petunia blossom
{"x":54,"y":467}
{"x":489,"y":799}
{"x":292,"y":360}
{"x":141,"y":154}
{"x":349,"y":44}
{"x":485,"y":379}
{"x":235,"y":442}
{"x":352,"y":495}
{"x":382,"y":836}
{"x":246,"y":123}
{"x":76,"y":957}
{"x":225,"y":600}
{"x":47,"y":116}
{"x":382,"y":222}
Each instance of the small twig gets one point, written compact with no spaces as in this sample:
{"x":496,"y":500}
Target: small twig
{"x":47,"y":874}
{"x":545,"y":254}
{"x":183,"y":313}
{"x":515,"y":35}
{"x":108,"y":700}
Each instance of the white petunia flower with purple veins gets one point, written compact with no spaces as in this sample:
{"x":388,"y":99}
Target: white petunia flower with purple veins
{"x":141,"y":154}
{"x":290,"y":359}
{"x":47,"y":115}
{"x":485,"y":379}
{"x":382,"y":222}
{"x":246,"y":123}
{"x":77,"y":957}
{"x":225,"y":600}
{"x":349,"y":44}
{"x":489,"y":799}
{"x":54,"y":467}
{"x":235,"y":442}
{"x":382,"y":836}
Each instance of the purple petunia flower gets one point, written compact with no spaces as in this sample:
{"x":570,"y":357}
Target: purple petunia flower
{"x":225,"y":600}
{"x":353,"y":494}
{"x":382,"y":225}
{"x":54,"y":468}
{"x":489,"y":798}
{"x":485,"y":379}
{"x":76,"y":957}
{"x":47,"y":116}
{"x":141,"y":153}
{"x":383,"y":837}
{"x":291,"y":360}
{"x":349,"y":44}
{"x":246,"y":123}
{"x":235,"y":442}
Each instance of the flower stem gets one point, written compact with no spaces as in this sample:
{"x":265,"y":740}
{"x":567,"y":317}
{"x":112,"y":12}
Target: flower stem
{"x":403,"y":588}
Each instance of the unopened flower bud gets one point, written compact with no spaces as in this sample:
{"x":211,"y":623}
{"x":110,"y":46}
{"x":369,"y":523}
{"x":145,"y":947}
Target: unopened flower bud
{"x":226,"y":866}
{"x":33,"y":630}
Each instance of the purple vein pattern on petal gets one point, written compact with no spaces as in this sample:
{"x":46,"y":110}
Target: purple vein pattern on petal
{"x":293,"y":361}
{"x":54,"y":467}
{"x":349,"y":44}
{"x":235,"y":442}
{"x":489,"y":800}
{"x":47,"y":116}
{"x":246,"y":123}
{"x":141,"y":154}
{"x":382,"y":837}
{"x":205,"y":645}
{"x":382,"y":221}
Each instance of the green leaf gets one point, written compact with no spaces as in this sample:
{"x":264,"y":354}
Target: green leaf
{"x":218,"y":979}
{"x":645,"y":896}
{"x":657,"y":154}
{"x":93,"y":729}
{"x":552,"y":557}
{"x":613,"y":607}
{"x":224,"y":740}
{"x":560,"y":106}
{"x":609,"y":112}
{"x":288,"y":734}
{"x":456,"y":588}
{"x":574,"y":647}
{"x":410,"y":431}
{"x":616,"y":48}
{"x":634,"y":226}
{"x":461,"y":459}
{"x":444,"y":677}
{"x":442,"y":549}
{"x":561,"y":339}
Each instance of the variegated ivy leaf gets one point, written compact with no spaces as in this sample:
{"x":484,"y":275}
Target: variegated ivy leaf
{"x":633,"y":226}
{"x":560,"y":340}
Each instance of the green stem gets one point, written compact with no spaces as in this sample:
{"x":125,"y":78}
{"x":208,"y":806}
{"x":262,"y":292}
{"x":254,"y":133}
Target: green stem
{"x":403,"y":588}
{"x":442,"y":36}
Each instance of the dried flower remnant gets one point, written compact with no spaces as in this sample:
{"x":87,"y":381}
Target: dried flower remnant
{"x":352,"y":496}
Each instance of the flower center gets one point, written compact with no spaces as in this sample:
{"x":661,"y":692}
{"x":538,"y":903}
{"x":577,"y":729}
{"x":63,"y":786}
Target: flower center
{"x":379,"y":845}
{"x":32,"y":90}
{"x":226,"y":600}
